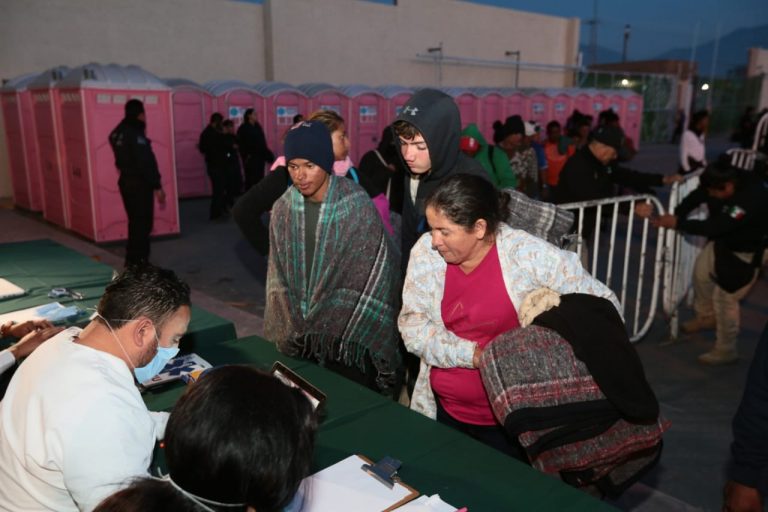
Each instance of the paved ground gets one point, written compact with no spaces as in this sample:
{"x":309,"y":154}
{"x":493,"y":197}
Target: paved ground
{"x":228,"y":278}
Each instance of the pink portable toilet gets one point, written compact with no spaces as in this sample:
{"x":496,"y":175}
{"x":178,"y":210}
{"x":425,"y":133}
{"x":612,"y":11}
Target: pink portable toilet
{"x":516,"y":103}
{"x":582,"y":101}
{"x":191,"y":109}
{"x":562,"y":105}
{"x":467,"y":102}
{"x":281,"y":103}
{"x":632,"y":122}
{"x":539,"y":107}
{"x":50,"y":142}
{"x":396,"y":97}
{"x":616,"y":102}
{"x":491,"y":108}
{"x":92,"y":104}
{"x":366,"y":118}
{"x":599,"y":103}
{"x":325,"y":97}
{"x":21,"y":140}
{"x":231,"y":98}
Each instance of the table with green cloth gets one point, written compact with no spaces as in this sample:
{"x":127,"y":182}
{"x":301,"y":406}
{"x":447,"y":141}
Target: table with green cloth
{"x":436,"y":459}
{"x":39,"y":265}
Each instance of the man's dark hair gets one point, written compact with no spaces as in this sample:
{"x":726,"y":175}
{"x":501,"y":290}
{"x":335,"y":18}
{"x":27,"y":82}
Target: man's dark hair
{"x":553,"y":124}
{"x":216,"y":117}
{"x":247,"y":114}
{"x":147,"y":495}
{"x":254,"y":435}
{"x":133,"y":108}
{"x":143,"y":290}
{"x":717,"y":174}
{"x":405,"y":130}
{"x":466,"y":198}
{"x":228,"y":122}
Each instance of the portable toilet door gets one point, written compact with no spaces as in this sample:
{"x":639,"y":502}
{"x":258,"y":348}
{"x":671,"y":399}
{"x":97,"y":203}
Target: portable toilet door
{"x":93,"y":98}
{"x":599,"y":103}
{"x":562,"y":105}
{"x":516,"y":103}
{"x":232,"y":98}
{"x":632,"y":122}
{"x":364,"y":124}
{"x":190,"y":106}
{"x":582,"y":102}
{"x":396,"y":97}
{"x":21,"y":140}
{"x":281,"y":103}
{"x":539,"y":107}
{"x":322,"y":96}
{"x":616,"y":102}
{"x":491,"y":108}
{"x":467,"y":102}
{"x":50,"y":143}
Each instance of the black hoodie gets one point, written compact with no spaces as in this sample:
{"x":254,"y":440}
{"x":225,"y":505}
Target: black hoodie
{"x":436,"y":116}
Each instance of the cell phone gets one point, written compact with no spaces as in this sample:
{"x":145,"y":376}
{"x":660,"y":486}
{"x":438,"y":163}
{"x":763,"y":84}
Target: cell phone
{"x":290,"y":378}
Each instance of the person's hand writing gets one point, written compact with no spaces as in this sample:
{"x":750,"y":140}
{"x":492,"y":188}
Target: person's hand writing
{"x":644,"y":210}
{"x":740,"y":498}
{"x":665,"y":221}
{"x":31,"y":341}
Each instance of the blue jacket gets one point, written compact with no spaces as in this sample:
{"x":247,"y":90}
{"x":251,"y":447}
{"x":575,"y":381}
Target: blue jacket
{"x":749,"y":465}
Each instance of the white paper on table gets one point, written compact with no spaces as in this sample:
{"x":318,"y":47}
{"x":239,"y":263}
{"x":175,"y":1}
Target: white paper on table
{"x":9,"y":290}
{"x":345,"y":486}
{"x":427,"y":504}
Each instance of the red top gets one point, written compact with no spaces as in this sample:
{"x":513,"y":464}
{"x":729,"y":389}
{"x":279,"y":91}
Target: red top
{"x":476,"y":307}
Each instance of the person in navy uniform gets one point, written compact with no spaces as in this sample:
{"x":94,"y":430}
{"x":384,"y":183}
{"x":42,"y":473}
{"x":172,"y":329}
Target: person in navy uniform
{"x":727,"y":266}
{"x":139,"y":180}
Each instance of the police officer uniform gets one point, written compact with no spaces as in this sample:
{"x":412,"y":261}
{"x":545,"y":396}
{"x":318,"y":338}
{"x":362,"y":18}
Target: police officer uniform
{"x":727,"y":267}
{"x":139,"y":178}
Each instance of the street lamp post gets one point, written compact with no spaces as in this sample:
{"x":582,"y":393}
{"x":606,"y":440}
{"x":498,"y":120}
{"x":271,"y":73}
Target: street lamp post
{"x":516,"y":54}
{"x":627,"y":30}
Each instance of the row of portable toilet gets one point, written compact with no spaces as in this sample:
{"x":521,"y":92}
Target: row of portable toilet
{"x":367,"y":112}
{"x":57,"y":126}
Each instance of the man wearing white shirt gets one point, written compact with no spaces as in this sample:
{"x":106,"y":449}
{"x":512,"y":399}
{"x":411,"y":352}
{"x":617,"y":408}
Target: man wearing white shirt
{"x":73,"y":426}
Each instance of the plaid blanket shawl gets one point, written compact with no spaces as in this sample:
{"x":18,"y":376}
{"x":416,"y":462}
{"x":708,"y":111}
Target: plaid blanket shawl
{"x":544,"y":220}
{"x":546,"y":397}
{"x":346,"y":308}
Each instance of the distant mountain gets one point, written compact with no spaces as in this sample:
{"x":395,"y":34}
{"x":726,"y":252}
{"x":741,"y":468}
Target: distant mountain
{"x":604,"y":55}
{"x":732,"y":52}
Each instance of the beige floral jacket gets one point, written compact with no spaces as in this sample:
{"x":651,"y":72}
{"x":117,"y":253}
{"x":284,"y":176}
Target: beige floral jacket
{"x":527,"y":263}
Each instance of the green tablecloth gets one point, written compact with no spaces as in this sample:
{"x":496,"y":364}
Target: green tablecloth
{"x":436,"y":459}
{"x":39,"y":265}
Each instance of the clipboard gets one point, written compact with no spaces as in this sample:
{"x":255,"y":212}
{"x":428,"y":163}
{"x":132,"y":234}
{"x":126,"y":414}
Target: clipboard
{"x":345,"y":486}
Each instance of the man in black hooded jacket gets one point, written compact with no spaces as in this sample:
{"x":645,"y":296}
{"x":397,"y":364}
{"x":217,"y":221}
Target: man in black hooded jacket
{"x":428,"y":131}
{"x":139,"y":179}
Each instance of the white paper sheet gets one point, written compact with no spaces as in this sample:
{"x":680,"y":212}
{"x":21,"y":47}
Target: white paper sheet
{"x":344,"y":486}
{"x":9,"y":290}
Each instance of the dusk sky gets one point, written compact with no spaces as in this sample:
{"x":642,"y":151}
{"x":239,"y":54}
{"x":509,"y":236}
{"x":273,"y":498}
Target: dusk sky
{"x":657,"y":25}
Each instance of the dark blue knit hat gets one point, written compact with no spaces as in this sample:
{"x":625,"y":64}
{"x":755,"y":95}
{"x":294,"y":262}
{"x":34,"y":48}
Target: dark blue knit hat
{"x":310,"y":140}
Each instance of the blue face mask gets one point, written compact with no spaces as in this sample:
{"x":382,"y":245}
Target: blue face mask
{"x":155,"y":366}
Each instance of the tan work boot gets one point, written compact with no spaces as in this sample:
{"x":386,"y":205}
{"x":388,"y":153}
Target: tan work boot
{"x":717,"y":357}
{"x":699,"y":323}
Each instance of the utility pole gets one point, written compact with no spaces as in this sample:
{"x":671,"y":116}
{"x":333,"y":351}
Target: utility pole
{"x":627,"y":30}
{"x":516,"y":54}
{"x":438,"y":52}
{"x":593,"y":34}
{"x":712,"y":69}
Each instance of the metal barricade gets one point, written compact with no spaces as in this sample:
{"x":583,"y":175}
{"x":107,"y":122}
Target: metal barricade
{"x":628,"y":258}
{"x":680,"y":253}
{"x":745,"y":158}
